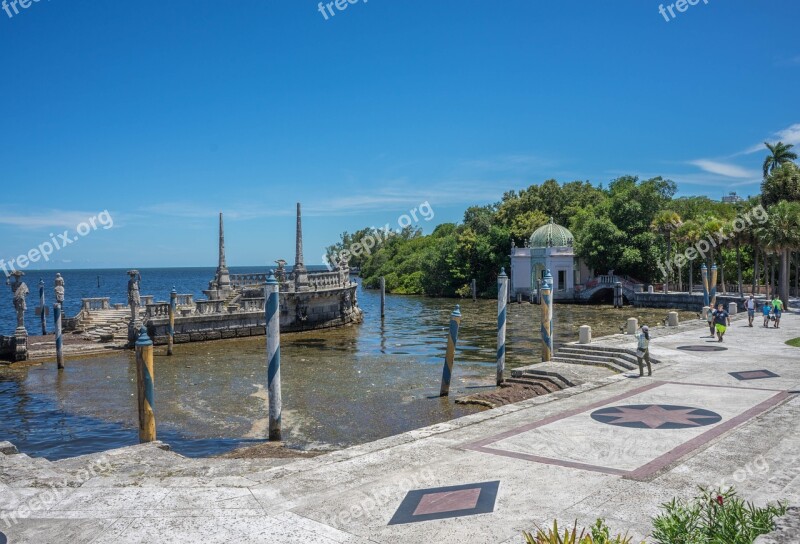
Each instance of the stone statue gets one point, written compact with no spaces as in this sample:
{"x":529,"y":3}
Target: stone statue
{"x":133,"y":288}
{"x":59,"y":289}
{"x":280,"y":273}
{"x":20,"y":291}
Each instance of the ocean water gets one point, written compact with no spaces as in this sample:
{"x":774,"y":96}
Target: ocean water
{"x":340,"y":387}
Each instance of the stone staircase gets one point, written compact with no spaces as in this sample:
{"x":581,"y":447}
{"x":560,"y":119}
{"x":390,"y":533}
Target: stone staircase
{"x":105,"y":325}
{"x":613,"y":358}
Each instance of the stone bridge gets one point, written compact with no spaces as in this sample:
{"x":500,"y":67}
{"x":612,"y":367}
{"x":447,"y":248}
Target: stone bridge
{"x":603,"y":286}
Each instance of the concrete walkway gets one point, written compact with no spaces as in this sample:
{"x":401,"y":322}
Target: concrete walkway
{"x":616,"y":449}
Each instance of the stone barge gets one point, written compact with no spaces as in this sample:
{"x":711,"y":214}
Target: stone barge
{"x":235,"y":304}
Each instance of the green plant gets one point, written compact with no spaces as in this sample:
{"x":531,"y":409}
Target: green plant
{"x":714,"y":517}
{"x":795,"y":342}
{"x":599,"y":534}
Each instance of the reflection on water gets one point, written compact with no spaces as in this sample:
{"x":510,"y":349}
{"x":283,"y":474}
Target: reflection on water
{"x":340,"y":387}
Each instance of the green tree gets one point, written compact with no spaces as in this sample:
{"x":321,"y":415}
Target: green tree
{"x":783,"y":183}
{"x":665,"y":223}
{"x":779,"y":154}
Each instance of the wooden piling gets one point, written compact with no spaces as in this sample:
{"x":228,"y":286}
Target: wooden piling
{"x":474,"y":287}
{"x":450,"y":355}
{"x":59,"y":340}
{"x":704,"y":275}
{"x":145,"y":380}
{"x":502,"y":305}
{"x":42,"y":308}
{"x":547,"y":317}
{"x":383,"y":297}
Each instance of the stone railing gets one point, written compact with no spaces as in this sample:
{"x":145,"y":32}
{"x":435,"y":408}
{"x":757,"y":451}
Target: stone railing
{"x":324,"y":280}
{"x":146,"y":299}
{"x":205,"y":307}
{"x":185,"y":300}
{"x":90,"y":304}
{"x":251,"y":305}
{"x":247,"y":280}
{"x":155,"y":311}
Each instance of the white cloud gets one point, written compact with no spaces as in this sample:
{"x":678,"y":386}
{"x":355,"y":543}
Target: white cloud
{"x":53,"y":219}
{"x":725,"y":169}
{"x":789,"y":135}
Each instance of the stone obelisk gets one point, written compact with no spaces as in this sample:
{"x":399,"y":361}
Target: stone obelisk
{"x":223,"y":279}
{"x":300,"y":272}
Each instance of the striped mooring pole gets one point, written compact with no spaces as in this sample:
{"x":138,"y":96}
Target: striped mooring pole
{"x":547,"y":317}
{"x":704,"y":275}
{"x":145,"y":381}
{"x":450,"y":355}
{"x":42,"y":308}
{"x":272,"y":308}
{"x":59,"y":340}
{"x":713,"y":286}
{"x":502,"y":305}
{"x":173,"y":304}
{"x":474,"y":288}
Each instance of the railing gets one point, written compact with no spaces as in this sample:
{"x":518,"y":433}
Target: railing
{"x":90,"y":304}
{"x":205,"y":307}
{"x":185,"y":300}
{"x":146,"y":299}
{"x":251,"y":305}
{"x":247,"y":280}
{"x":158,"y":310}
{"x":325,"y":280}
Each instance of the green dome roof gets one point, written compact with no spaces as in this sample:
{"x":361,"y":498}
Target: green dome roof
{"x":551,"y":235}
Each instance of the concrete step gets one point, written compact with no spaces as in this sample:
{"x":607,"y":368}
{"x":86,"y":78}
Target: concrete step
{"x":607,"y":364}
{"x":529,"y":382}
{"x":556,"y":378}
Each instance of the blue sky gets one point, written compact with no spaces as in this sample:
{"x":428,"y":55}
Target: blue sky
{"x":164,"y":113}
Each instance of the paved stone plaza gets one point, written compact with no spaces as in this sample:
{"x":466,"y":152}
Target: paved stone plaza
{"x":615,"y":448}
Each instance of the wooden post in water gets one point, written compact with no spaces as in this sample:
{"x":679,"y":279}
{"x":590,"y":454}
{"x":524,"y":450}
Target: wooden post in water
{"x":42,"y":308}
{"x":173,"y":304}
{"x":383,"y":297}
{"x":547,"y":317}
{"x":59,"y":340}
{"x":502,"y":305}
{"x":273,"y":325}
{"x":450,"y":355}
{"x":618,"y":300}
{"x":145,"y":382}
{"x":474,"y":290}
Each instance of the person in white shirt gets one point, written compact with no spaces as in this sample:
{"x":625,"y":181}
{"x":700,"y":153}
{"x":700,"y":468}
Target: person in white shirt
{"x":750,"y":304}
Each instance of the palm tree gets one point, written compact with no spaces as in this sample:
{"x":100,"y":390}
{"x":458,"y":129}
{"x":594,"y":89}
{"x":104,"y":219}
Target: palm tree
{"x":665,"y":223}
{"x":779,"y":154}
{"x":690,"y":233}
{"x":781,"y":235}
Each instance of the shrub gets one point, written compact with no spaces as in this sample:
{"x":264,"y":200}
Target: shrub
{"x":599,"y":534}
{"x":714,"y":518}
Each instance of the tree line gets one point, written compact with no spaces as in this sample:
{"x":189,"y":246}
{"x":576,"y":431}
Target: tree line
{"x":635,"y":227}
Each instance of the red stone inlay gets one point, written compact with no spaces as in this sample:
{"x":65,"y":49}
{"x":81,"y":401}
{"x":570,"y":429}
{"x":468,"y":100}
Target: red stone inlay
{"x":754,"y":374}
{"x":448,"y":501}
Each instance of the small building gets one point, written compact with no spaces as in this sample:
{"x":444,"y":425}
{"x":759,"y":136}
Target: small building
{"x":550,"y":247}
{"x":732,"y":198}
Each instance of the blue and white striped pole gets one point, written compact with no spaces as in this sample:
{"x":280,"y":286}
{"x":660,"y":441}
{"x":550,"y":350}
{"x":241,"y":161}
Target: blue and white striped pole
{"x":502,"y":305}
{"x":173,"y":304}
{"x":42,"y":308}
{"x":59,"y":340}
{"x":547,"y":317}
{"x":146,"y":387}
{"x":704,"y":276}
{"x":272,"y":309}
{"x":450,"y":355}
{"x":713,"y":286}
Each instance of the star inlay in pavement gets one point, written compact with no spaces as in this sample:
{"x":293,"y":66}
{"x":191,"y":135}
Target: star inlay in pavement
{"x":656,"y":416}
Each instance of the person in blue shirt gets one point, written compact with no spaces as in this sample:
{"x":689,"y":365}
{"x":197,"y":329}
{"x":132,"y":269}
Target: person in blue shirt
{"x":766,"y":309}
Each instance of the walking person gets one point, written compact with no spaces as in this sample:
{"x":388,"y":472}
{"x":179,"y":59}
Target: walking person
{"x":750,"y":304}
{"x":710,"y":319}
{"x":643,"y":350}
{"x":722,"y":320}
{"x":777,"y":310}
{"x":766,"y":309}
